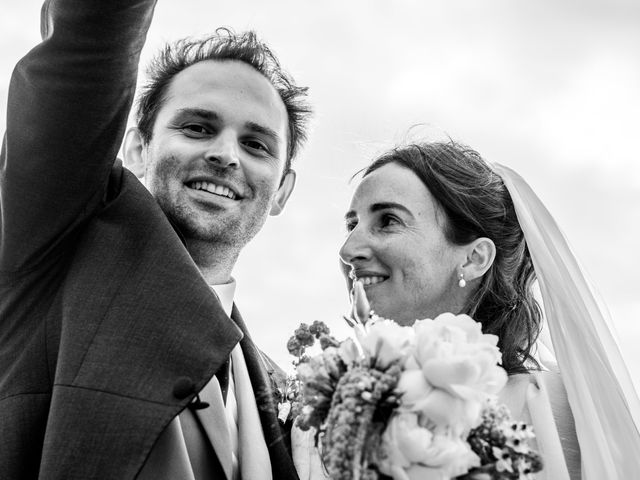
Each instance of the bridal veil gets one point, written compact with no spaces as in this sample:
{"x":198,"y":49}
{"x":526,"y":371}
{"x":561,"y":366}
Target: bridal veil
{"x":601,"y":394}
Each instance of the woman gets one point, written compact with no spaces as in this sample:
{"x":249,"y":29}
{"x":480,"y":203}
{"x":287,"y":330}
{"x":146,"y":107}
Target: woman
{"x":432,"y":229}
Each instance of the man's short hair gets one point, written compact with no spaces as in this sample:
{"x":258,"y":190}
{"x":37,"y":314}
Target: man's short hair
{"x":223,"y":45}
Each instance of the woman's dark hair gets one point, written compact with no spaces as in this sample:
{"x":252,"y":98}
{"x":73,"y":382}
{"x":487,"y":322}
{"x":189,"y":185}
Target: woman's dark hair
{"x":477,"y":204}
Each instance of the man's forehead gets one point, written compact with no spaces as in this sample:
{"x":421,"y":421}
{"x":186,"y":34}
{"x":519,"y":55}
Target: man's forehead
{"x":231,"y":77}
{"x":219,"y":86}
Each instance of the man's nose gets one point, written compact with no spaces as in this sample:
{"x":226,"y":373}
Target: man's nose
{"x":223,"y":150}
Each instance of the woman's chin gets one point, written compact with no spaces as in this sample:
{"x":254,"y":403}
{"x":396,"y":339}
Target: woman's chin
{"x":384,"y":307}
{"x":387,"y":303}
{"x":391,"y":309}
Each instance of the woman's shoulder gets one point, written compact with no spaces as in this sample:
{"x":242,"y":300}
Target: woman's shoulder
{"x":540,"y":398}
{"x":514,"y":395}
{"x":548,"y":380}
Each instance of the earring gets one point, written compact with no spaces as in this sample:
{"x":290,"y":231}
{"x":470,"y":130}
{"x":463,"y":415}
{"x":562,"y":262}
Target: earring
{"x":462,"y":282}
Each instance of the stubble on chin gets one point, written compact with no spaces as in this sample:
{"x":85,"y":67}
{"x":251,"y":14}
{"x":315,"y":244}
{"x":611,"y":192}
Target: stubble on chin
{"x":215,"y":225}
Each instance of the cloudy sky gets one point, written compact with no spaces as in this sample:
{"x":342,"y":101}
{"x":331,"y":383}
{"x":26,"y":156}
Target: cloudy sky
{"x":548,"y":87}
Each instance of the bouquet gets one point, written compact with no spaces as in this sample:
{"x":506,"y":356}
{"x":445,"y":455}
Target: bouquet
{"x":408,"y":403}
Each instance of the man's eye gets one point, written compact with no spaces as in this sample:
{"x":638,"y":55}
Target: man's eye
{"x":195,"y":130}
{"x":256,"y":145}
{"x":351,"y":224}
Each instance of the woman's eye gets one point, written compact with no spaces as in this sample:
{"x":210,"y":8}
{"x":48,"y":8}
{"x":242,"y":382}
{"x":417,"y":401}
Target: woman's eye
{"x":387,"y":220}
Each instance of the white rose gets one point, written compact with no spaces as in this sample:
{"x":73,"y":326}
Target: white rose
{"x":478,"y":356}
{"x":386,"y":342}
{"x":403,"y":443}
{"x":448,"y":412}
{"x":349,"y":352}
{"x":421,"y":472}
{"x":435,"y":405}
{"x":448,"y":457}
{"x":409,"y":451}
{"x":450,"y":453}
{"x":413,"y":388}
{"x":460,"y":362}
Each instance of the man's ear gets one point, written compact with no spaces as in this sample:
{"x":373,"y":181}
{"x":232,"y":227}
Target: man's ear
{"x":480,"y":256}
{"x":283,"y":193}
{"x":134,"y":152}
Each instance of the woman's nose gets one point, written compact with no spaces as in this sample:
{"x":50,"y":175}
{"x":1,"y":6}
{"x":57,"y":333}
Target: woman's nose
{"x":356,"y":247}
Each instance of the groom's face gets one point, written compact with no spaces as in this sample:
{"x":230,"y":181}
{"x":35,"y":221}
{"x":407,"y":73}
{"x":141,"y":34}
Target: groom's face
{"x":217,"y":153}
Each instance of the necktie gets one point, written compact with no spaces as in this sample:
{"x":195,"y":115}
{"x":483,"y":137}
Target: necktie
{"x":223,"y":378}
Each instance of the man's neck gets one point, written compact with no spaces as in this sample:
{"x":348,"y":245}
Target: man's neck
{"x":215,"y":263}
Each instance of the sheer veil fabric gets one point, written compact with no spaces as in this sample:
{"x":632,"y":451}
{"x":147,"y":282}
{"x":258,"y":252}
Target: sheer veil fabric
{"x":601,"y":394}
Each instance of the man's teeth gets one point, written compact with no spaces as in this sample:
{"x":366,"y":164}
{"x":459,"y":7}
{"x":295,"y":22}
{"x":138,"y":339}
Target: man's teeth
{"x":213,"y":188}
{"x":371,"y":280}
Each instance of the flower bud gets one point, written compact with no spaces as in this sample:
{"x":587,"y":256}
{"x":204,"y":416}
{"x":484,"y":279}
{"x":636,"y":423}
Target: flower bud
{"x":361,"y":308}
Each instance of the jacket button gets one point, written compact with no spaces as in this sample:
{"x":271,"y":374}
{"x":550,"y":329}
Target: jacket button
{"x":183,"y":387}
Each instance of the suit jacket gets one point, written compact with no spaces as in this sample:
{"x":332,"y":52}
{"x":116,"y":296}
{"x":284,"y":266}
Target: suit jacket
{"x":107,"y":328}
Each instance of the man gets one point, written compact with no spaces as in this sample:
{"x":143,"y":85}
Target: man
{"x":109,"y":325}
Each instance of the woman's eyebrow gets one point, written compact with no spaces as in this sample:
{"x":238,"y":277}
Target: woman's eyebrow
{"x":376,"y":207}
{"x":379,"y":206}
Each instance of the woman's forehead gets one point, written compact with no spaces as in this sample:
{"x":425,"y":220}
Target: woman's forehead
{"x":392,"y":183}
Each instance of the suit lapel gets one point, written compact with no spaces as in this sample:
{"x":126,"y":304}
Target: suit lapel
{"x":281,"y":462}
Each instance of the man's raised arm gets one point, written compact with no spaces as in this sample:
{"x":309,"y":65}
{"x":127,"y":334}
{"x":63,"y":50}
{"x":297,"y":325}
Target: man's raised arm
{"x":69,"y":99}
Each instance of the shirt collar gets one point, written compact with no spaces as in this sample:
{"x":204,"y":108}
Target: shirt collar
{"x":225,"y":293}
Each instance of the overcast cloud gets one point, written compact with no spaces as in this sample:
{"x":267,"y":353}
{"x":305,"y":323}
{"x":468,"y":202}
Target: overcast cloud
{"x":550,"y":88}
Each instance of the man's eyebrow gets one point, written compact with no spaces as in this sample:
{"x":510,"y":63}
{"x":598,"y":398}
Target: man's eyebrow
{"x":263,"y":130}
{"x":197,"y":112}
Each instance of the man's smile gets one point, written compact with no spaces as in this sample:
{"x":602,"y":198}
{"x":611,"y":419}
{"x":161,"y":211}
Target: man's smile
{"x":213,"y":188}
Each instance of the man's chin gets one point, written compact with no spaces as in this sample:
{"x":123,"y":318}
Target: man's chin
{"x":218,"y":227}
{"x":217,"y":234}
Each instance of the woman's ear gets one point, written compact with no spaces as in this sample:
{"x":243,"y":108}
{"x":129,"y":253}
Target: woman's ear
{"x":134,"y":152}
{"x":480,"y":256}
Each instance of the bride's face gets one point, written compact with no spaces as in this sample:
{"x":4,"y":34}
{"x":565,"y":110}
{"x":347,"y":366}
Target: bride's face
{"x":397,"y":247}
